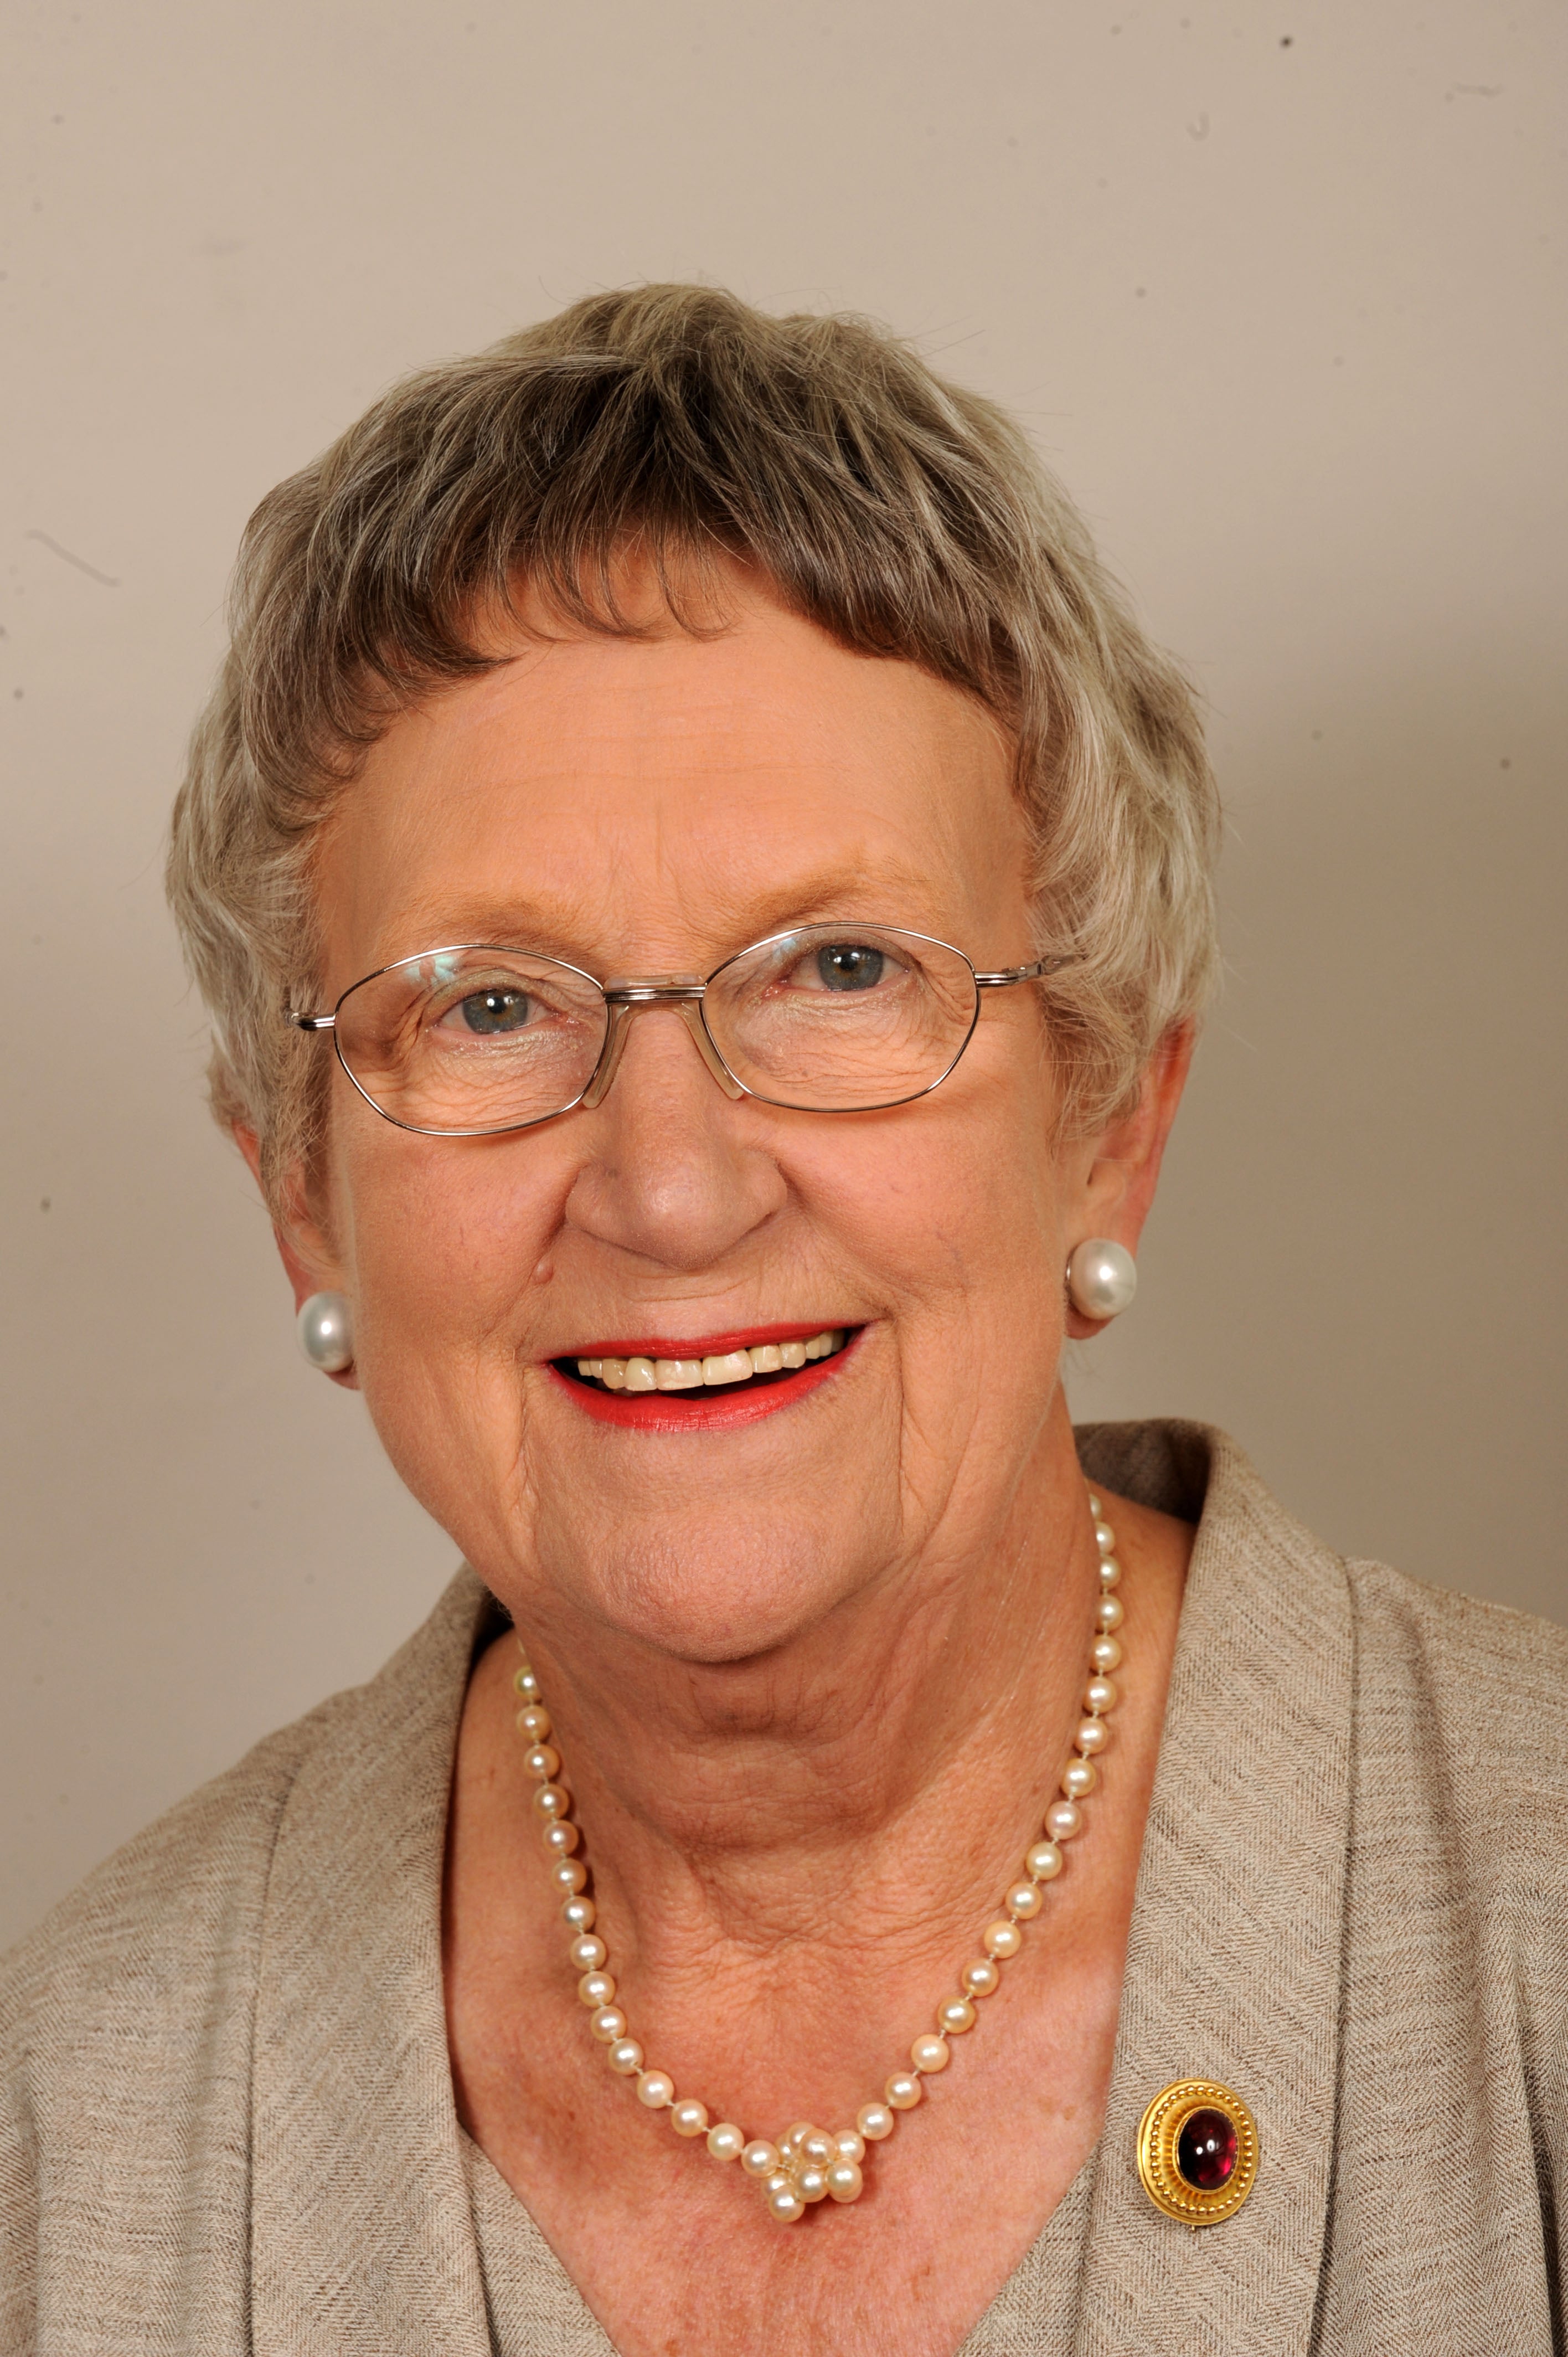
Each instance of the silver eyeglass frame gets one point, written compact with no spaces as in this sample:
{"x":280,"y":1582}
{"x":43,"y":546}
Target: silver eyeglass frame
{"x":636,"y":992}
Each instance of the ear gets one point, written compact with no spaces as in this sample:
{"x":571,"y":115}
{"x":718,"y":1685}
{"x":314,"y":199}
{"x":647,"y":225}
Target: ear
{"x":1120,"y":1168}
{"x":308,"y":1259}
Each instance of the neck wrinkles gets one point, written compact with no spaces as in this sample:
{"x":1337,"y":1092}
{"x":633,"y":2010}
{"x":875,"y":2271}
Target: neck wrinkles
{"x":902,"y":1750}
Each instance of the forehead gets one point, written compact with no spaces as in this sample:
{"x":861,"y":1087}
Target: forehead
{"x":674,"y":796}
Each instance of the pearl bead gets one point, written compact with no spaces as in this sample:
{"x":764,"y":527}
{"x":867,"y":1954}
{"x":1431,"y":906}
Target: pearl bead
{"x":325,"y":1331}
{"x":810,"y":2164}
{"x":1094,"y":1507}
{"x":1101,"y":1279}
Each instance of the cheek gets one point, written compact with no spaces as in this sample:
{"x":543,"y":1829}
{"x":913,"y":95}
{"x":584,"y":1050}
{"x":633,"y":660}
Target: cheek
{"x":958,"y":1208}
{"x":444,"y":1239}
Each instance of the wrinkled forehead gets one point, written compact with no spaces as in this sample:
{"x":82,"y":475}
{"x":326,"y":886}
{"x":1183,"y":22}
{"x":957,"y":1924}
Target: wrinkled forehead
{"x":672,"y":795}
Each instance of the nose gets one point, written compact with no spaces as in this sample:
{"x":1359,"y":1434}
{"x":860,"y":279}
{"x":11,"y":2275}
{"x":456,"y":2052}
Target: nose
{"x":639,"y":997}
{"x":668,"y":1174}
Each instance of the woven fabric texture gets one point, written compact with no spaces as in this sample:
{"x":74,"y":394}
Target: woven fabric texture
{"x":226,"y":2116}
{"x":535,"y":2310}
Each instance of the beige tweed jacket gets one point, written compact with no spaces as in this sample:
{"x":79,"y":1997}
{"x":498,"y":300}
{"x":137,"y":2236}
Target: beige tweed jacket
{"x":226,"y":2115}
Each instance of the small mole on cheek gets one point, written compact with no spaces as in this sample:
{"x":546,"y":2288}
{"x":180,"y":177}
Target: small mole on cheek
{"x":543,"y":1271}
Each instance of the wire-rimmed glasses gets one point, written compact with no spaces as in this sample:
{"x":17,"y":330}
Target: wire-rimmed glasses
{"x":475,"y":1039}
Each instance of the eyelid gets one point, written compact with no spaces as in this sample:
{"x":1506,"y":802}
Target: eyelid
{"x":446,"y":997}
{"x":806,"y":953}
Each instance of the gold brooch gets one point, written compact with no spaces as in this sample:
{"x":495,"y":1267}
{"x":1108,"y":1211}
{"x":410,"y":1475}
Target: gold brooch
{"x":1198,"y":2152}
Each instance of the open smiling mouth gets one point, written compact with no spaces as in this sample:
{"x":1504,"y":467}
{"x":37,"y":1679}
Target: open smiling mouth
{"x":705,"y":1386}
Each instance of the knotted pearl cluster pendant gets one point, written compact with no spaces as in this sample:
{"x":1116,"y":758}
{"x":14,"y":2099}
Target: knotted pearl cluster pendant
{"x":808,"y":2164}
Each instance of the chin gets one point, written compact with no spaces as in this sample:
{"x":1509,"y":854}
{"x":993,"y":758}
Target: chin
{"x":676,"y":1591}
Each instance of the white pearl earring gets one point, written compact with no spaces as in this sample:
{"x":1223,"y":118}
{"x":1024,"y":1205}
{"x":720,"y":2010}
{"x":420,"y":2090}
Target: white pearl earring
{"x":1101,"y":1279}
{"x":326,"y":1329}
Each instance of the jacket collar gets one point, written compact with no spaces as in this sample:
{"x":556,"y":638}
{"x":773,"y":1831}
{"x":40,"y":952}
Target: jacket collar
{"x":361,"y":2238}
{"x":1233,"y":1963}
{"x":361,"y":2234}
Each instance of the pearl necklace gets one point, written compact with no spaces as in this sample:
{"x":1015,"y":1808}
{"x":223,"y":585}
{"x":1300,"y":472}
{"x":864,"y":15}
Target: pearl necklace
{"x":807,"y":2164}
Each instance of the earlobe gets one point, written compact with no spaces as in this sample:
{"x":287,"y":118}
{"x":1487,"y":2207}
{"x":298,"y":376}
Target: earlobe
{"x":1119,"y":1187}
{"x":323,"y":1324}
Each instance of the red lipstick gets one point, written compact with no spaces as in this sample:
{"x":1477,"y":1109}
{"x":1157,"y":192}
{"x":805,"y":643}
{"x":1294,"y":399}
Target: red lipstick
{"x":711,"y":1409}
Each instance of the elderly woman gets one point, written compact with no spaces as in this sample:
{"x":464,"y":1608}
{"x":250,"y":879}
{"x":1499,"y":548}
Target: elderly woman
{"x":703,"y":895}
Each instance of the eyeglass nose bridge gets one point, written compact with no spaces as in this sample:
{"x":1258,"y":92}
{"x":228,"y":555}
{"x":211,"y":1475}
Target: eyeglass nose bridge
{"x":682,"y":993}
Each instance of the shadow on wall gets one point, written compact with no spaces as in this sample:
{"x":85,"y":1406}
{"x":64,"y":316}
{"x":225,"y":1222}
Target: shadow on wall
{"x":1358,"y":1262}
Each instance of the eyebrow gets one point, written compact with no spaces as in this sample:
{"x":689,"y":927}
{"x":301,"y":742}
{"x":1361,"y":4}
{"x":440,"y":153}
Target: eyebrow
{"x":517,"y":923}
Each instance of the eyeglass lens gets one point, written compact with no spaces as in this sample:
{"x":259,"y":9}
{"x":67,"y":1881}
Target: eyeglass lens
{"x":826,"y":1018}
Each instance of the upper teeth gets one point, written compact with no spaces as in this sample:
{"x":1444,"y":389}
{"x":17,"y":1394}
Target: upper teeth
{"x":723,"y":1367}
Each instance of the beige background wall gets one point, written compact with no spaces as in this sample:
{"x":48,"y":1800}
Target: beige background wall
{"x":1276,"y":283}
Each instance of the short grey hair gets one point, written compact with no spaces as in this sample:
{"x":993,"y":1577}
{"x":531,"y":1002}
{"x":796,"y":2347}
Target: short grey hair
{"x":903,"y":515}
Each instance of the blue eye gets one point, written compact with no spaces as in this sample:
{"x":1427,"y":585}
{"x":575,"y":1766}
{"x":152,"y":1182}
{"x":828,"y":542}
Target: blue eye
{"x":849,"y":965}
{"x":489,"y":1011}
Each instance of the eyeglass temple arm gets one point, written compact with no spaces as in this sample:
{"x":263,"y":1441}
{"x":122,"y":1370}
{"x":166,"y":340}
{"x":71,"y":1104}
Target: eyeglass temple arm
{"x":1010,"y":973}
{"x":311,"y":1022}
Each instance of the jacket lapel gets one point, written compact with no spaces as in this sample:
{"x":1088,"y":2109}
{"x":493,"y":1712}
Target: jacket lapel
{"x":361,"y":2234}
{"x":1233,"y":1967}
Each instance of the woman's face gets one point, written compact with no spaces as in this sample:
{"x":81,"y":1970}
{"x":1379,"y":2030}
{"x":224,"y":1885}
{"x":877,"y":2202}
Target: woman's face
{"x":648,"y":807}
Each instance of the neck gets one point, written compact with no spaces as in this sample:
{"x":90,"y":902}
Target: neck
{"x":904,"y":1748}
